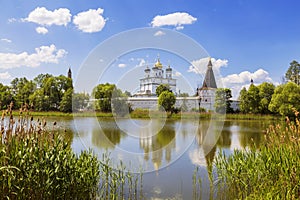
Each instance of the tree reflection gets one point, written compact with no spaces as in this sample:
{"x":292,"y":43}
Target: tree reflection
{"x":251,"y":133}
{"x":155,"y":146}
{"x":108,"y":135}
{"x":224,"y":140}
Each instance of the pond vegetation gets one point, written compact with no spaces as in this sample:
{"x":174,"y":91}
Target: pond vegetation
{"x":270,"y":172}
{"x":37,"y":163}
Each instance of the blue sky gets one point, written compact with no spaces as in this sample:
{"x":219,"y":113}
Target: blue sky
{"x":246,"y":39}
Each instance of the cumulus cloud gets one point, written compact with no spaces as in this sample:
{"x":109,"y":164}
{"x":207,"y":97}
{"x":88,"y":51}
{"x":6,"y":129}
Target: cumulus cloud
{"x":5,"y":76}
{"x":237,"y":81}
{"x":41,"y":30}
{"x":43,"y":54}
{"x":159,"y":33}
{"x":42,"y":16}
{"x":122,"y":65}
{"x":6,"y":40}
{"x":90,"y":21}
{"x":199,"y":66}
{"x":177,"y":74}
{"x":177,"y":19}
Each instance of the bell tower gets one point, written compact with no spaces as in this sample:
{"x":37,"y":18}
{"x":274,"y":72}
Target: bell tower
{"x":70,"y":73}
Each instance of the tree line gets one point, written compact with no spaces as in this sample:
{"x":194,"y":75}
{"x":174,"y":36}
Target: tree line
{"x":56,"y":93}
{"x":266,"y":98}
{"x":44,"y":93}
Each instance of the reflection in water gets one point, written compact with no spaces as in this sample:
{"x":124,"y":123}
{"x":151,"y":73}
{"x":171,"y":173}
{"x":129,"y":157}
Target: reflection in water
{"x":108,"y":136}
{"x":155,"y":151}
{"x":156,"y":145}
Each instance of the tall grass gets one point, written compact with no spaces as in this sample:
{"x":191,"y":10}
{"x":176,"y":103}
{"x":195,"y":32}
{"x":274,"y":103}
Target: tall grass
{"x":36,"y":163}
{"x":272,"y":172}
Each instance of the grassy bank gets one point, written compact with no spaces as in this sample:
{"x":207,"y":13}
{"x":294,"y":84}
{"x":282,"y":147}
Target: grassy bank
{"x":272,"y":172}
{"x":144,"y":114}
{"x":36,"y":163}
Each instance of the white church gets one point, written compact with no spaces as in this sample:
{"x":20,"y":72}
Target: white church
{"x":152,"y":79}
{"x":146,"y":97}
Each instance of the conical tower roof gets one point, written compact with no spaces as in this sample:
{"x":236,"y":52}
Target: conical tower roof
{"x":209,"y":80}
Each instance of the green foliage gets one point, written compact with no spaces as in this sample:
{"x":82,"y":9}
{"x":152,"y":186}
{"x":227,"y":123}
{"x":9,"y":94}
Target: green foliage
{"x":38,"y":164}
{"x":266,"y":90}
{"x":5,"y":96}
{"x":293,"y":72}
{"x":80,"y":101}
{"x":285,"y":98}
{"x":21,"y":90}
{"x":120,"y":106}
{"x":222,"y":100}
{"x":273,"y":172}
{"x":66,"y":102}
{"x":257,"y":99}
{"x":104,"y":94}
{"x":161,"y":88}
{"x":167,"y":100}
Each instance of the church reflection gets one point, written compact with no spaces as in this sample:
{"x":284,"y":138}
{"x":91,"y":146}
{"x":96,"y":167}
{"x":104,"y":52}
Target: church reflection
{"x":158,"y":147}
{"x":213,"y":136}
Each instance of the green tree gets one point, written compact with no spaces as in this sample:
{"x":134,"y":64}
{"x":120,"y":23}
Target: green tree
{"x":104,"y":93}
{"x":50,"y":92}
{"x":66,"y":102}
{"x":5,"y":96}
{"x":285,"y":99}
{"x":250,"y":100}
{"x":244,"y":101}
{"x":21,"y":90}
{"x":222,"y":100}
{"x":40,"y":79}
{"x":161,"y":88}
{"x":254,"y":99}
{"x":39,"y":101}
{"x":293,"y":72}
{"x":266,"y":90}
{"x":167,"y":100}
{"x":80,"y":101}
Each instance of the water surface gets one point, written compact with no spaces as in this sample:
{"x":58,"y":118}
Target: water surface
{"x":168,"y":152}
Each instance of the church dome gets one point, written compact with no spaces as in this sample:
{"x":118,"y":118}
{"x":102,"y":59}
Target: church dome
{"x":169,"y":69}
{"x":158,"y":64}
{"x":147,"y":69}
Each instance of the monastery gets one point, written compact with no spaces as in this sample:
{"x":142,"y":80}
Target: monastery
{"x":146,"y":97}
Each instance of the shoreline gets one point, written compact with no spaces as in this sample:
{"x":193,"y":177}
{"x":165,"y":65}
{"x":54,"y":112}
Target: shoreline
{"x":144,"y":114}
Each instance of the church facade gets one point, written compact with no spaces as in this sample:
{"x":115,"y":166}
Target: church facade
{"x":147,"y":99}
{"x":155,"y":77}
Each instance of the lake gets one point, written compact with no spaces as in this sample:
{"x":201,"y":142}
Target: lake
{"x":166,"y":151}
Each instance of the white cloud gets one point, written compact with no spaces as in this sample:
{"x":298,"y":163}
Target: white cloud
{"x":41,"y":30}
{"x":179,"y":28}
{"x":6,"y":40}
{"x":159,"y":33}
{"x":12,"y":20}
{"x":42,"y":16}
{"x":43,"y":54}
{"x":177,"y":74}
{"x":199,"y":66}
{"x":237,"y":81}
{"x":177,"y":19}
{"x":122,"y":65}
{"x":5,"y":76}
{"x":90,"y":21}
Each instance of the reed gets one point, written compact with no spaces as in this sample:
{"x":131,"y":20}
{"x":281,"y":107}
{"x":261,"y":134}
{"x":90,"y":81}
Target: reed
{"x":36,"y":163}
{"x":271,"y":172}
